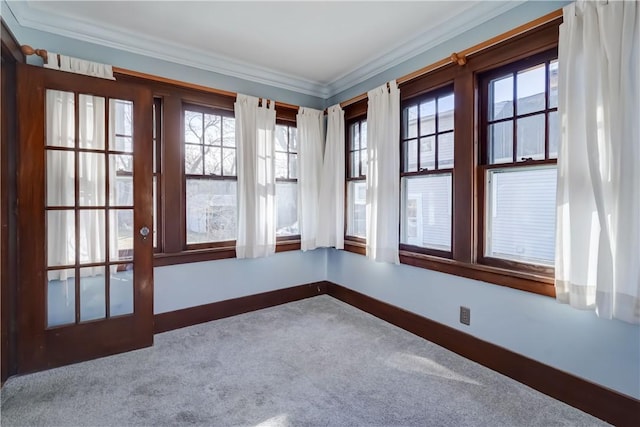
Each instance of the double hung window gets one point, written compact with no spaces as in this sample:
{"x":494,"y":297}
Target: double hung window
{"x":427,"y":171}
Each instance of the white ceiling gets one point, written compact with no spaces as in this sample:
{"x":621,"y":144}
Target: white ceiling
{"x":318,"y":48}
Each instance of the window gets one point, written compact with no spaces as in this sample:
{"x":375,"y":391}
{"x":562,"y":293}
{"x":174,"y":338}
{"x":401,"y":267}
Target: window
{"x":519,"y":151}
{"x":478,"y":187}
{"x":287,"y":181}
{"x":210,"y":175}
{"x":426,"y":171}
{"x":357,"y":179}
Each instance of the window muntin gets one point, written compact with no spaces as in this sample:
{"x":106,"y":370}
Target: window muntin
{"x":357,"y":179}
{"x":210,"y":175}
{"x":520,"y":147}
{"x":427,"y":172}
{"x":522,"y":114}
{"x":287,"y":180}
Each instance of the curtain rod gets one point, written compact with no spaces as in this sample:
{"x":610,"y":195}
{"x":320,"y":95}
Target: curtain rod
{"x":28,"y":50}
{"x":460,"y":58}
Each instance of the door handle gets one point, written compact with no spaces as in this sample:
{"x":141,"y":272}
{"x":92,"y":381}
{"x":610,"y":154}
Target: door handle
{"x":144,"y":232}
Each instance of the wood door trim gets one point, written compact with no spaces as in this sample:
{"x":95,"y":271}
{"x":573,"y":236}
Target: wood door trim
{"x":38,"y":347}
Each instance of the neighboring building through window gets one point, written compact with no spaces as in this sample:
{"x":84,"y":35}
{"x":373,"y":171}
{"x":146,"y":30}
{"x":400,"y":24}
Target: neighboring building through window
{"x":427,"y":171}
{"x":357,"y":179}
{"x":210,"y":175}
{"x":521,"y":144}
{"x":287,"y":181}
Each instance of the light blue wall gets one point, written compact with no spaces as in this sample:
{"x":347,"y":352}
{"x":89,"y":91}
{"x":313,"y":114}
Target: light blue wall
{"x":602,"y":351}
{"x":145,"y":64}
{"x":189,"y":285}
{"x":606,"y":352}
{"x":498,"y":25}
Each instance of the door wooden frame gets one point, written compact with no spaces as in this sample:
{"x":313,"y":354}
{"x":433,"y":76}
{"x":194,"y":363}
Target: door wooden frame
{"x":40,"y":348}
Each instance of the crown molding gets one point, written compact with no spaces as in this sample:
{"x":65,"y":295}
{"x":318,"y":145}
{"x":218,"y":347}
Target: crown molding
{"x":476,"y":15}
{"x":141,"y":44}
{"x":137,"y":43}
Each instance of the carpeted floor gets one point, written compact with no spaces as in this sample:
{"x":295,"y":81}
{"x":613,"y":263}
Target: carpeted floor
{"x":316,"y":362}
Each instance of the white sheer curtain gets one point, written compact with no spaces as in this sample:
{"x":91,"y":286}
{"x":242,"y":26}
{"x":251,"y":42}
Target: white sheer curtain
{"x":310,"y":140}
{"x":255,"y":142}
{"x":78,"y":66}
{"x":331,"y":221}
{"x":383,"y":188}
{"x":598,"y":201}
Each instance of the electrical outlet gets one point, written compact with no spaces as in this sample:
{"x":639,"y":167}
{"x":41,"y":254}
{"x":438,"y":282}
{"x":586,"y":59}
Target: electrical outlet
{"x":465,"y":315}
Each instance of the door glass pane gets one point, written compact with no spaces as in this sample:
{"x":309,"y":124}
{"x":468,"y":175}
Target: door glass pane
{"x":91,"y":125}
{"x":120,"y":180}
{"x":92,"y":236}
{"x":91,"y":179}
{"x":60,"y":178}
{"x":121,"y":230}
{"x":531,"y":136}
{"x":61,"y":238}
{"x":61,"y":128}
{"x":121,"y":163}
{"x":121,"y":125}
{"x":501,"y":98}
{"x":121,"y":191}
{"x":531,"y":89}
{"x":121,"y":290}
{"x":92,"y":293}
{"x":61,"y":297}
{"x":155,"y":211}
{"x":521,"y":214}
{"x":501,"y":142}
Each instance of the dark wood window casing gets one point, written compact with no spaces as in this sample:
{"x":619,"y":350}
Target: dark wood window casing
{"x":288,"y":175}
{"x":170,"y":102}
{"x":426,"y":150}
{"x":466,"y":259}
{"x":519,"y":109}
{"x":355,"y":179}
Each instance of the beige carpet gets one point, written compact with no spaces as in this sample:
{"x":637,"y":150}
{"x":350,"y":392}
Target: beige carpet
{"x":316,"y":362}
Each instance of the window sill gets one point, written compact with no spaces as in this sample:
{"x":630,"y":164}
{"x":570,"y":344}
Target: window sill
{"x":529,"y":282}
{"x":212,"y":254}
{"x":535,"y":283}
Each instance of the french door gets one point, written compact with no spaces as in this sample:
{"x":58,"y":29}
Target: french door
{"x":85,"y":202}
